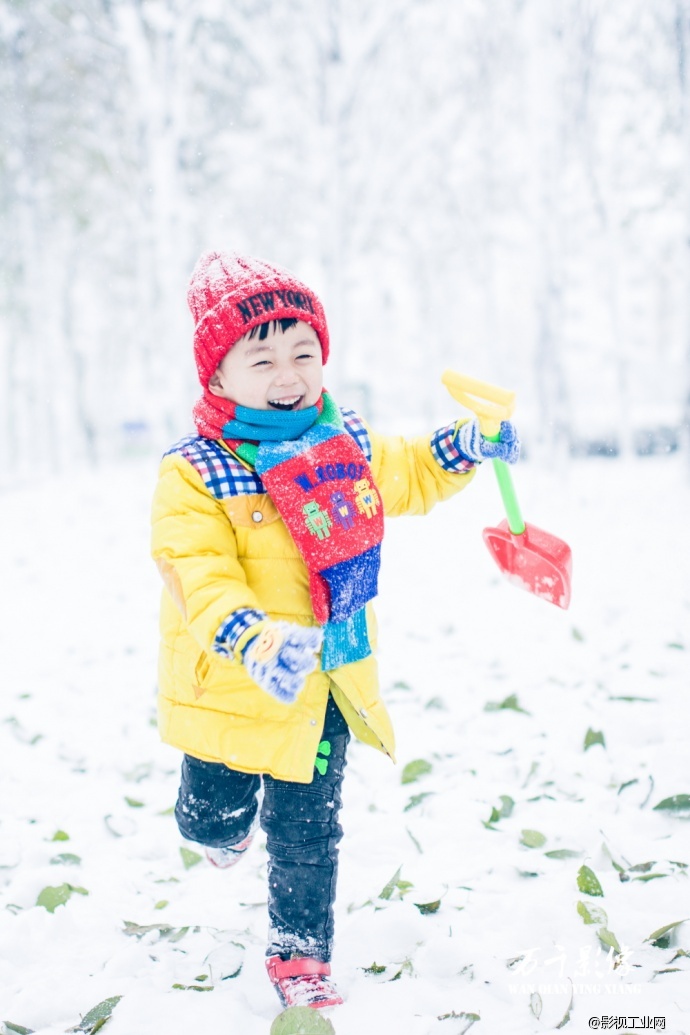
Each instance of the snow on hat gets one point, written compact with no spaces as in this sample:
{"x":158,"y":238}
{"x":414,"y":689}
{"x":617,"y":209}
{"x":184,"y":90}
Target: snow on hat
{"x":229,"y":294}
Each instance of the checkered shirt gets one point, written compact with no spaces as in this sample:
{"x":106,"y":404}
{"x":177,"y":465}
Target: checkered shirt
{"x":355,"y":426}
{"x":233,"y":627}
{"x":446,"y":452}
{"x":221,"y":473}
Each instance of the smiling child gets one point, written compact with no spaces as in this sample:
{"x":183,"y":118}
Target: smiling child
{"x":267,"y":530}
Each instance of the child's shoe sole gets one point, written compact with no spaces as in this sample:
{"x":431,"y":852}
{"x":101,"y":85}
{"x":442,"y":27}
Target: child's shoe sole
{"x":225,"y":858}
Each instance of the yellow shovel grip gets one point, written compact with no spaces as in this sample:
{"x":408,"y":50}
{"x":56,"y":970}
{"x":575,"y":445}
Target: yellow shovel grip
{"x":490,"y":403}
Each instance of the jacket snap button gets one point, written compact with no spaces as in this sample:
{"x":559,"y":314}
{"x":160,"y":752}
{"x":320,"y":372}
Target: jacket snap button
{"x":257,"y":516}
{"x":312,"y":722}
{"x":363,"y":712}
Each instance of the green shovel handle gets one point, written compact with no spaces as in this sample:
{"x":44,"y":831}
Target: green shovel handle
{"x":505,"y":484}
{"x":491,"y":404}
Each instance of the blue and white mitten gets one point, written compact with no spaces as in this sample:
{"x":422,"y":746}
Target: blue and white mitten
{"x":474,"y":446}
{"x":281,"y":656}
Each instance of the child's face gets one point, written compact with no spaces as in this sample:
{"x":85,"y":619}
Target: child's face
{"x":282,"y":372}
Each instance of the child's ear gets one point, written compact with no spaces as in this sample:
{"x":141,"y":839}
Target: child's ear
{"x":214,"y":385}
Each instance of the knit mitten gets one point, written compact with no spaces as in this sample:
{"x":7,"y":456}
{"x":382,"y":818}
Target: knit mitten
{"x":280,"y":658}
{"x":474,"y":446}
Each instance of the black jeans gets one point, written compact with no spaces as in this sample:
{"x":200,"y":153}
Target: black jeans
{"x":216,"y":806}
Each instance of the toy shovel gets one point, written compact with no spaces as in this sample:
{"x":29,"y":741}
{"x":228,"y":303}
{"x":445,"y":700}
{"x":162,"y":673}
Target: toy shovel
{"x":537,"y":561}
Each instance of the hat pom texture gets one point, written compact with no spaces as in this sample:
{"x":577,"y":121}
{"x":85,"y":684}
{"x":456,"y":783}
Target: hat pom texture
{"x":229,"y":294}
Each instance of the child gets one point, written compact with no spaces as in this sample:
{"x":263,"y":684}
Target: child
{"x":267,"y":528}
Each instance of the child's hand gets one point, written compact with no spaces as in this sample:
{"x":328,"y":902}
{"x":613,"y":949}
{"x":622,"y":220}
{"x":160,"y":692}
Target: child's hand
{"x":474,"y":446}
{"x":281,"y":657}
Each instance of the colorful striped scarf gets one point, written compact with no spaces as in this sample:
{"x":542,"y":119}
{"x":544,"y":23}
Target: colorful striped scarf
{"x":323,"y":488}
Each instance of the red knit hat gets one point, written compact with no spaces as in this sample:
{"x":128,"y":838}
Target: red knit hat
{"x":229,"y":294}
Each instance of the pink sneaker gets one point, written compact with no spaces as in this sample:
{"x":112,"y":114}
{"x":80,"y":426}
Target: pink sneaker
{"x":303,"y":982}
{"x":224,"y":858}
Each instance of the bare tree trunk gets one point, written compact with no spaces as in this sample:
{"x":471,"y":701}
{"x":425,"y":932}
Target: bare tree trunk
{"x":79,"y":393}
{"x":682,"y":33}
{"x":550,"y":378}
{"x":333,"y":240}
{"x":29,"y":368}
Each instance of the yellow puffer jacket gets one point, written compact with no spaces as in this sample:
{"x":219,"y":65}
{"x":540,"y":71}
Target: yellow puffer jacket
{"x":221,"y":545}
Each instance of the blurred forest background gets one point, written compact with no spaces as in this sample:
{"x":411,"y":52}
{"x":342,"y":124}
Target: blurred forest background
{"x":500,"y":186}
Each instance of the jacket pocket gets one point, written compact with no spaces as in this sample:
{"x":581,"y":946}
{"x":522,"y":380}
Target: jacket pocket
{"x":201,"y":670}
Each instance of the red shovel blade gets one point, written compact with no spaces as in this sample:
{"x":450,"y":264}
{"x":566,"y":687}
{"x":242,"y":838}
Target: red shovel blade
{"x":537,"y":561}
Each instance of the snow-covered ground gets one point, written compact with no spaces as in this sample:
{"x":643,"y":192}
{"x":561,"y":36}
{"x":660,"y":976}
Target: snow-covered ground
{"x":491,"y":687}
